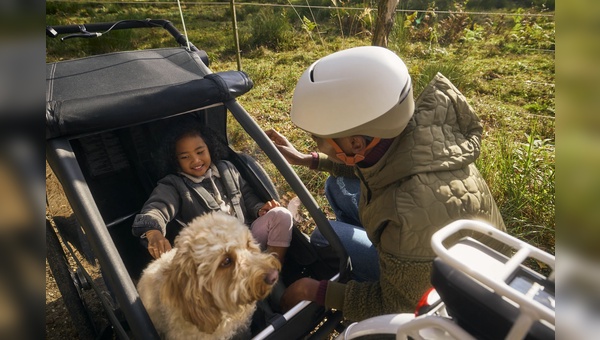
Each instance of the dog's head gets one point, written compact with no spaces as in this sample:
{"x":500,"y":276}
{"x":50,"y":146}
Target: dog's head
{"x":218,"y":268}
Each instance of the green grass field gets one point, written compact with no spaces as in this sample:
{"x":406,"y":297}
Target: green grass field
{"x":504,"y":65}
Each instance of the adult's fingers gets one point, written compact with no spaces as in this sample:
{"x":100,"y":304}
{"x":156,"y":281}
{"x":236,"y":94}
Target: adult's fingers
{"x":292,"y":295}
{"x":277,"y":137}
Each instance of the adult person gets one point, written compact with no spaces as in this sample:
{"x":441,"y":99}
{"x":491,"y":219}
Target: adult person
{"x":415,"y":161}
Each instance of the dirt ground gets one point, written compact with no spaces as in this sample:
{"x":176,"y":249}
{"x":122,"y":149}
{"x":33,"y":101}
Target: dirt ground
{"x":58,"y":320}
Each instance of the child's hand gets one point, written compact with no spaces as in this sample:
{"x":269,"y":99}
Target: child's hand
{"x":157,"y":243}
{"x":268,"y":206}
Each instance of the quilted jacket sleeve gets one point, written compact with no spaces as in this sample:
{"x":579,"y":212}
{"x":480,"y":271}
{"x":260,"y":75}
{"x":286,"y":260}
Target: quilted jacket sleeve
{"x":334,"y":168}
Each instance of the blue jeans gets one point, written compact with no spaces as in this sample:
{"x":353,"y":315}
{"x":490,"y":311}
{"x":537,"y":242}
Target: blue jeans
{"x":362,"y":253}
{"x":343,"y":194}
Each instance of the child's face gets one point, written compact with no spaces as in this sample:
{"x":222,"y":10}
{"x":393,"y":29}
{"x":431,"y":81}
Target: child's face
{"x":192,"y":155}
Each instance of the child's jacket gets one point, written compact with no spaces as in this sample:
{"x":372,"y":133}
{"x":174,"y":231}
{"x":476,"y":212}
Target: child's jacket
{"x":178,"y":197}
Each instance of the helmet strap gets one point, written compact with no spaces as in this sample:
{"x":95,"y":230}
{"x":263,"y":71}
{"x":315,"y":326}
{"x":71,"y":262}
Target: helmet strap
{"x":352,"y":160}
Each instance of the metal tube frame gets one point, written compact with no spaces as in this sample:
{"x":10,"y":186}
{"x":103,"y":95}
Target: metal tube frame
{"x":61,"y":158}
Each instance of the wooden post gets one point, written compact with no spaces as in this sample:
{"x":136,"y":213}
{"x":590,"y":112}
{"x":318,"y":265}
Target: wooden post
{"x":236,"y":36}
{"x":386,"y":15}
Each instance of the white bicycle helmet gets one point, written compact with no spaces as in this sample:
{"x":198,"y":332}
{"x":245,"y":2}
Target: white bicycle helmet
{"x":359,"y":91}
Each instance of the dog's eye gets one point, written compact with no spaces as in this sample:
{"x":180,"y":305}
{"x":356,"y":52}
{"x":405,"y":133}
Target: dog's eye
{"x":226,"y":262}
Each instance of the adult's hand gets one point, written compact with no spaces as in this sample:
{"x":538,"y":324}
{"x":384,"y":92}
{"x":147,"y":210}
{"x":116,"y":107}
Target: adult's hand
{"x":157,"y":243}
{"x":291,"y":154}
{"x":303,"y":289}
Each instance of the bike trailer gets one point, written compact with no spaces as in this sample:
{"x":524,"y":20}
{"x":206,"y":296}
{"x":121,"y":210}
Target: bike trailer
{"x":106,"y":116}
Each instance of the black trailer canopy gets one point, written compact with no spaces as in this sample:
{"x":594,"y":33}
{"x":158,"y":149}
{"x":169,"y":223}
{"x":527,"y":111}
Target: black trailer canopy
{"x":114,"y":90}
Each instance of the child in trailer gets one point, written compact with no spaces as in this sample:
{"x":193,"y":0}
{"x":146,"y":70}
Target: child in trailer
{"x":199,"y":182}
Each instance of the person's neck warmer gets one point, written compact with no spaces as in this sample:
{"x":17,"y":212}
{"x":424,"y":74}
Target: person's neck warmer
{"x":376,"y":153}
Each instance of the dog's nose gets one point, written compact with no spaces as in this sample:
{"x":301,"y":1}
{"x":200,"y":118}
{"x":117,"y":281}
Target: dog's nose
{"x":271,"y":277}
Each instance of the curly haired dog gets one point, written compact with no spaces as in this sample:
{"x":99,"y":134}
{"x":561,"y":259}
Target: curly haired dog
{"x":207,"y":286}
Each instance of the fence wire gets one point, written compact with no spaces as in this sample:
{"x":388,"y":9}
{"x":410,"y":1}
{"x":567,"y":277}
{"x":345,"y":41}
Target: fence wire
{"x":193,"y":3}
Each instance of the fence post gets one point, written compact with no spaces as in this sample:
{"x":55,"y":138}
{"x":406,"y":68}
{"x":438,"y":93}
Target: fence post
{"x":236,"y":36}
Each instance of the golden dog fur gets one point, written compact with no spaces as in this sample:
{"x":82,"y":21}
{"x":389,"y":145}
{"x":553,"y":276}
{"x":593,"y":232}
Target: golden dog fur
{"x":207,"y":286}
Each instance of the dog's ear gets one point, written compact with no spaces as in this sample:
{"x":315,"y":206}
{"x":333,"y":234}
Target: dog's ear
{"x":184,"y":292}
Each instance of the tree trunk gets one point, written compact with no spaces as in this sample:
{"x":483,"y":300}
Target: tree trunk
{"x":386,"y":15}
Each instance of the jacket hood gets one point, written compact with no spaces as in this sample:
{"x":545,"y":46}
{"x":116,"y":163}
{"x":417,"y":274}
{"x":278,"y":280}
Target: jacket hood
{"x":443,"y":134}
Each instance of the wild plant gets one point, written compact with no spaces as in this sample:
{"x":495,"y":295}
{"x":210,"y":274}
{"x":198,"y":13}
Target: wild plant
{"x":423,"y":27}
{"x":521,"y":175}
{"x":530,"y":32}
{"x":352,"y":21}
{"x":454,"y":26}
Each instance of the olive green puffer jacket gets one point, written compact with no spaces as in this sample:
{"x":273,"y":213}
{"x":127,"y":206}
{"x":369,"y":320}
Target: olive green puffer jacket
{"x":425,"y":180}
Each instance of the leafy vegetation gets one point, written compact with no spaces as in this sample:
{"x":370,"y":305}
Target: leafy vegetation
{"x":502,"y":62}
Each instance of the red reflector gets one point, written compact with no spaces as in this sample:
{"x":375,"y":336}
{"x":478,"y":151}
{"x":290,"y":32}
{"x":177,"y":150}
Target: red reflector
{"x":424,"y":302}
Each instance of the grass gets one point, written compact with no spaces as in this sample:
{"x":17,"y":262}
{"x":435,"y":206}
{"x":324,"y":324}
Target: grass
{"x":504,"y":67}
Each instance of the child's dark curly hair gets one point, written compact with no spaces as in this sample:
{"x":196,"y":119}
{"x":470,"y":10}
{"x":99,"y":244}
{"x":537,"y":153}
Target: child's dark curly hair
{"x":216,"y":146}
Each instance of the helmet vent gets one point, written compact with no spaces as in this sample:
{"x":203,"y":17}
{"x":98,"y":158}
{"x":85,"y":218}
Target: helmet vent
{"x":312,"y":78}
